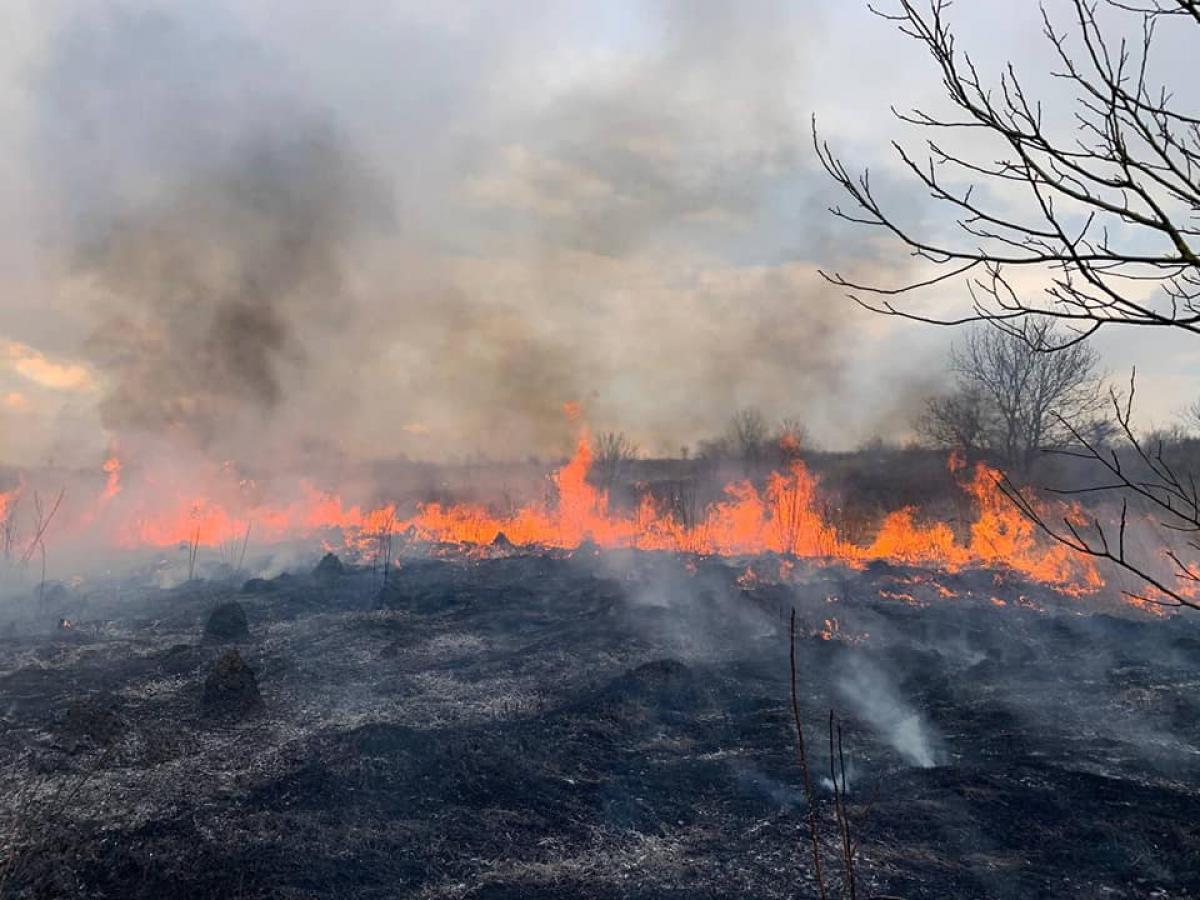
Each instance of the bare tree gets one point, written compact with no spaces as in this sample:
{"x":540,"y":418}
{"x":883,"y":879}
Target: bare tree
{"x":612,"y":452}
{"x":956,"y":420}
{"x":1108,"y":203}
{"x":749,"y":435}
{"x":1191,"y":417}
{"x":1147,"y":482}
{"x":1012,"y":398}
{"x":791,"y":437}
{"x":1101,"y":202}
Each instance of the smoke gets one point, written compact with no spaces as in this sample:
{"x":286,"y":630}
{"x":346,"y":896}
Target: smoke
{"x":206,"y":212}
{"x":871,"y":695}
{"x":201,"y":292}
{"x":410,"y":232}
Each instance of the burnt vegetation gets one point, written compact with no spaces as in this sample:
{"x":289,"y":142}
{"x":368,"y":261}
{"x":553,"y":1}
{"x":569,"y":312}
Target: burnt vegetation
{"x":610,"y":725}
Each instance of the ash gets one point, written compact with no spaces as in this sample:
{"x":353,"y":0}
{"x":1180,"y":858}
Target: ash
{"x":613,"y":725}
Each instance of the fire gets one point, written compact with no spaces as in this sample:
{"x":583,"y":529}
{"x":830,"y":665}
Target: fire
{"x":833,"y":631}
{"x":196,"y":519}
{"x":786,"y":516}
{"x":112,"y":482}
{"x":901,"y":596}
{"x":748,"y":580}
{"x":8,"y":531}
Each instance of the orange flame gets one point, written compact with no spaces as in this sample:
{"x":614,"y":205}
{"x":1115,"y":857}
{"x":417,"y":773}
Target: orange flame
{"x":112,"y":483}
{"x":785,"y":516}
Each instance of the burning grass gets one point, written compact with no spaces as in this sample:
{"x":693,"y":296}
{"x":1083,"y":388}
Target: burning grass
{"x":787,"y":512}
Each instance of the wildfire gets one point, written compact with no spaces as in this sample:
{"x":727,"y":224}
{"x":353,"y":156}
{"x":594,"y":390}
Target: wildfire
{"x":901,"y":596}
{"x":748,"y":579}
{"x":785,"y":516}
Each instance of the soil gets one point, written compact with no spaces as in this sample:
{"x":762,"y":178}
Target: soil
{"x":607,"y":725}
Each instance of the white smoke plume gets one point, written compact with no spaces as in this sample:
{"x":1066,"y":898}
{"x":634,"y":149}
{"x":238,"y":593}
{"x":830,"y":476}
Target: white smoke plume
{"x":870,"y":695}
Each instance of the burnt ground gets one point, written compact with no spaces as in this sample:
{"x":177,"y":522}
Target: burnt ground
{"x":612,"y":726}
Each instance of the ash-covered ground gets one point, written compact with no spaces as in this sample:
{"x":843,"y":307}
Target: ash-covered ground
{"x":611,"y":725}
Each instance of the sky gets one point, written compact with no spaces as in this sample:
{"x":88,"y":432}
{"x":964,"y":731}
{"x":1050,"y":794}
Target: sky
{"x":268,"y":230}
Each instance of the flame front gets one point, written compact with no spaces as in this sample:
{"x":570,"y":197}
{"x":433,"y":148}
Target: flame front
{"x":786,"y":516}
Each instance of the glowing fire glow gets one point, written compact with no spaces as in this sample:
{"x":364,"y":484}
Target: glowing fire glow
{"x":784,"y":517}
{"x":112,"y":482}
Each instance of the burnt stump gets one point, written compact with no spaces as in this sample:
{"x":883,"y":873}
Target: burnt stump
{"x":231,"y":689}
{"x":227,"y":622}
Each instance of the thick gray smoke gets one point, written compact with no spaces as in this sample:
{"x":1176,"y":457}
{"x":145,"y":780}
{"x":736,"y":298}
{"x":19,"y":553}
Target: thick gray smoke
{"x":208,"y":213}
{"x":409,"y":231}
{"x":203,"y":289}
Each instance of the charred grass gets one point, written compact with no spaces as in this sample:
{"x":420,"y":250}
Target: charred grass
{"x":605,"y":726}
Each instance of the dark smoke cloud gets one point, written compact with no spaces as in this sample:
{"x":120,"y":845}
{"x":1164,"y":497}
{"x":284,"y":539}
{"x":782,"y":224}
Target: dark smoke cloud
{"x":201,"y":291}
{"x":208,"y":222}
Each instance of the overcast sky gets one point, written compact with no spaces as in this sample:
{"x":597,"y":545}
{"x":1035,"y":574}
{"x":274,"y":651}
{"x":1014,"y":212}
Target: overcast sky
{"x":421,"y":228}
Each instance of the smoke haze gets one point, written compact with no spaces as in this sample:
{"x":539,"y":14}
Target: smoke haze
{"x":408,"y":229}
{"x":409,"y":232}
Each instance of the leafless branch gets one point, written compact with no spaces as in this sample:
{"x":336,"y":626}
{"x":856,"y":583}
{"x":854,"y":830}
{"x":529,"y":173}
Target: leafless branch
{"x":1112,"y":197}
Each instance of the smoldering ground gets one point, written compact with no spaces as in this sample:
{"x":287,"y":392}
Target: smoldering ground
{"x":622,"y":719}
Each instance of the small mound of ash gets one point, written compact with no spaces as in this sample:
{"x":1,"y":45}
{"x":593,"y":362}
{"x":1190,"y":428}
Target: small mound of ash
{"x":227,"y":622}
{"x":330,"y":566}
{"x":93,"y":721}
{"x":231,"y":689}
{"x":501,"y":542}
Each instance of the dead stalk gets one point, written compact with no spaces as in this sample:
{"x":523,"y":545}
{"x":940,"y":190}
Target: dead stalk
{"x":245,"y":543}
{"x":809,"y":797}
{"x":193,"y":551}
{"x":37,"y":544}
{"x":837,"y":760}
